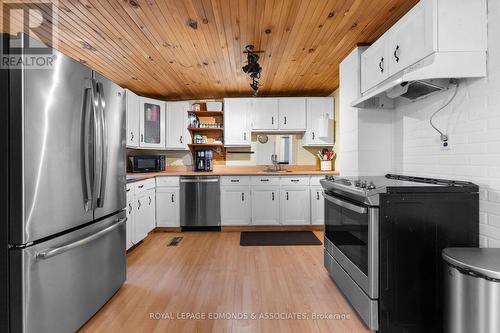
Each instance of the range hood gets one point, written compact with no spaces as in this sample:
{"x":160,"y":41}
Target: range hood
{"x":427,"y":77}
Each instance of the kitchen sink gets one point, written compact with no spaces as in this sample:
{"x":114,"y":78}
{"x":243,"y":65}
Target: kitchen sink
{"x":276,"y":171}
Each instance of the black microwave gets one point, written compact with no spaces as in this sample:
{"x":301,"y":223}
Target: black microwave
{"x":146,"y":163}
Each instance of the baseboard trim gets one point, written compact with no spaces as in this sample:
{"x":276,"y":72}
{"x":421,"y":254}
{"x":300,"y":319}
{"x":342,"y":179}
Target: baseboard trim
{"x":133,"y":247}
{"x":273,"y":228}
{"x":167,"y":229}
{"x":253,"y":228}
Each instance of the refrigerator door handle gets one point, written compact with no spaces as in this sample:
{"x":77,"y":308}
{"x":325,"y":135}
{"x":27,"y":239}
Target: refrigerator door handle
{"x":97,"y":147}
{"x":86,"y":151}
{"x":104,"y":145}
{"x":52,"y":252}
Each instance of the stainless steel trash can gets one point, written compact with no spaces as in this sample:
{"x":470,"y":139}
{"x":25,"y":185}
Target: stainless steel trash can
{"x":472,"y":290}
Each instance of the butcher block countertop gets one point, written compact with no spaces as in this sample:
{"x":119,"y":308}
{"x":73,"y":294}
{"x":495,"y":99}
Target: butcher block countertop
{"x":224,"y":170}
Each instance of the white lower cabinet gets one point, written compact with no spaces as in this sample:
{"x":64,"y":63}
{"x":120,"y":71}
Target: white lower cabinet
{"x":317,"y":206}
{"x":265,"y":205}
{"x":131,"y":208}
{"x":235,"y":204}
{"x":295,"y":206}
{"x":167,"y":207}
{"x":145,"y":220}
{"x":140,"y":210}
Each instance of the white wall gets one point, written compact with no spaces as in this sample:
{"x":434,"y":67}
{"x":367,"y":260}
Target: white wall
{"x":365,"y":136}
{"x":472,"y":122}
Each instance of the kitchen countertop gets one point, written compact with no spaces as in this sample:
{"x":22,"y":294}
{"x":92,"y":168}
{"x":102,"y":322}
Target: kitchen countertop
{"x":224,"y":170}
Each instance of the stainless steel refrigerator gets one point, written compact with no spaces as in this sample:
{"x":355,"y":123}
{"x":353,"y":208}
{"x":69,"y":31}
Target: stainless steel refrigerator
{"x":62,"y":195}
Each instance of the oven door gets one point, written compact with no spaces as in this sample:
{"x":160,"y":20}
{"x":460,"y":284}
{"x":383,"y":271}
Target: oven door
{"x":351,"y":238}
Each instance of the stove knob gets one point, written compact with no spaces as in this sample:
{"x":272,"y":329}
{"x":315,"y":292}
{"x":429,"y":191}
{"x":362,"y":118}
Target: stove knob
{"x":371,"y":186}
{"x":357,"y":183}
{"x":363,"y":184}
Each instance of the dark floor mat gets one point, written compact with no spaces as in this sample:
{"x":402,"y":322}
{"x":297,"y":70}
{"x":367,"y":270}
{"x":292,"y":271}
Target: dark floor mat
{"x":278,"y":238}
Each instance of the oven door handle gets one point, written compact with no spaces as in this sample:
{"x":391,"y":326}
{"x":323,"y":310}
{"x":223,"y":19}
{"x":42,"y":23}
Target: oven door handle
{"x":345,"y":204}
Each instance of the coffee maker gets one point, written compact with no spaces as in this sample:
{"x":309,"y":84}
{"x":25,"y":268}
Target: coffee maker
{"x":203,"y":160}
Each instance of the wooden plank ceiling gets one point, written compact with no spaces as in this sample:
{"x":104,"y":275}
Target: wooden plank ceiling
{"x":193,"y":48}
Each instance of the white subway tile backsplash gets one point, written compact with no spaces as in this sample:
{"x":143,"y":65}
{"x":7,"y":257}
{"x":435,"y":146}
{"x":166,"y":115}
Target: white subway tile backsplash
{"x":485,"y":160}
{"x":493,"y":243}
{"x":494,"y":195}
{"x":491,"y":232}
{"x":483,"y":241}
{"x":494,"y":220}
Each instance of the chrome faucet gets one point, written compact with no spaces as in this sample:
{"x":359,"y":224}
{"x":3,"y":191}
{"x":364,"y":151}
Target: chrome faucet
{"x":276,"y":165}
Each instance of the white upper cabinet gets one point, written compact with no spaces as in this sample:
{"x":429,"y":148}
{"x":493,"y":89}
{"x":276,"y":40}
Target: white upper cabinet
{"x":132,"y":109}
{"x":152,"y":123}
{"x":453,"y":32}
{"x":411,"y":38}
{"x":374,"y":64}
{"x":265,"y":113}
{"x":320,"y":117}
{"x":292,"y":113}
{"x":177,"y":136}
{"x":237,"y":122}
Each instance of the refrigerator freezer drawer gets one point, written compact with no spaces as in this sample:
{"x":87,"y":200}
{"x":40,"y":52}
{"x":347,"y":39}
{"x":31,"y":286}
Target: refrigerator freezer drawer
{"x":57,"y":285}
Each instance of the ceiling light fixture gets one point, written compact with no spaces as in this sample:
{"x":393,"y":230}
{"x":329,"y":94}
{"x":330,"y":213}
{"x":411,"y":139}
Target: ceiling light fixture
{"x":252,"y":68}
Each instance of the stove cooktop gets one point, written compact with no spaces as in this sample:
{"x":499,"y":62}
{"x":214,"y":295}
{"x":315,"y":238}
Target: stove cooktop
{"x":367,"y":189}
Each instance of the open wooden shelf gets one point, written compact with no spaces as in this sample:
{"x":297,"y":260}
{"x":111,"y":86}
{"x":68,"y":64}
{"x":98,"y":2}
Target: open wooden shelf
{"x":207,"y":129}
{"x":208,"y":113}
{"x":199,"y":145}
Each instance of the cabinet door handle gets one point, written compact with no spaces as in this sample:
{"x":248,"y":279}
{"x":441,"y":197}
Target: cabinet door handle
{"x":264,"y":180}
{"x":128,"y":190}
{"x":317,"y":195}
{"x":180,"y":139}
{"x":140,"y":186}
{"x":313,"y":135}
{"x":129,"y":208}
{"x":138,"y":204}
{"x":244,"y":135}
{"x":235,"y":180}
{"x":286,"y":195}
{"x":172,"y":197}
{"x":381,"y":65}
{"x":285,"y":119}
{"x":295,"y":180}
{"x":272,"y":196}
{"x":272,"y":120}
{"x":131,"y":136}
{"x":149,"y":201}
{"x":396,"y":53}
{"x":142,"y":137}
{"x":242,"y":196}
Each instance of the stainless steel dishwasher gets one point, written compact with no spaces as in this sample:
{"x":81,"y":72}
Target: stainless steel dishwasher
{"x":200,"y":203}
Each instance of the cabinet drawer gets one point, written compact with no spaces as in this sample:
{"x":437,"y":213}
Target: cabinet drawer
{"x":167,"y":181}
{"x":265,"y":181}
{"x":236,"y":180}
{"x":315,"y":180}
{"x":144,"y":185}
{"x":300,"y":180}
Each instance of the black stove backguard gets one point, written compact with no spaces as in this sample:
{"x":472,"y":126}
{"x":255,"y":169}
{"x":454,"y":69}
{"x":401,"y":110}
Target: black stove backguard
{"x":414,"y":229}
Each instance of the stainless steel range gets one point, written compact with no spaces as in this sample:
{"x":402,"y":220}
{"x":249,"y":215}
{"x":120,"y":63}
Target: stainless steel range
{"x":365,"y":220}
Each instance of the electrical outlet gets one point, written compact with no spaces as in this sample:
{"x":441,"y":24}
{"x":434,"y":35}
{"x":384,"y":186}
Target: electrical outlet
{"x":445,"y":145}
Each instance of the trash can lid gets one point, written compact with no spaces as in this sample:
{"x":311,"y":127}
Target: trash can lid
{"x":483,"y":261}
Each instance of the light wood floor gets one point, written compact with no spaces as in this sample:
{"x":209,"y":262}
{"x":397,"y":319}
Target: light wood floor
{"x":210,"y":273}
